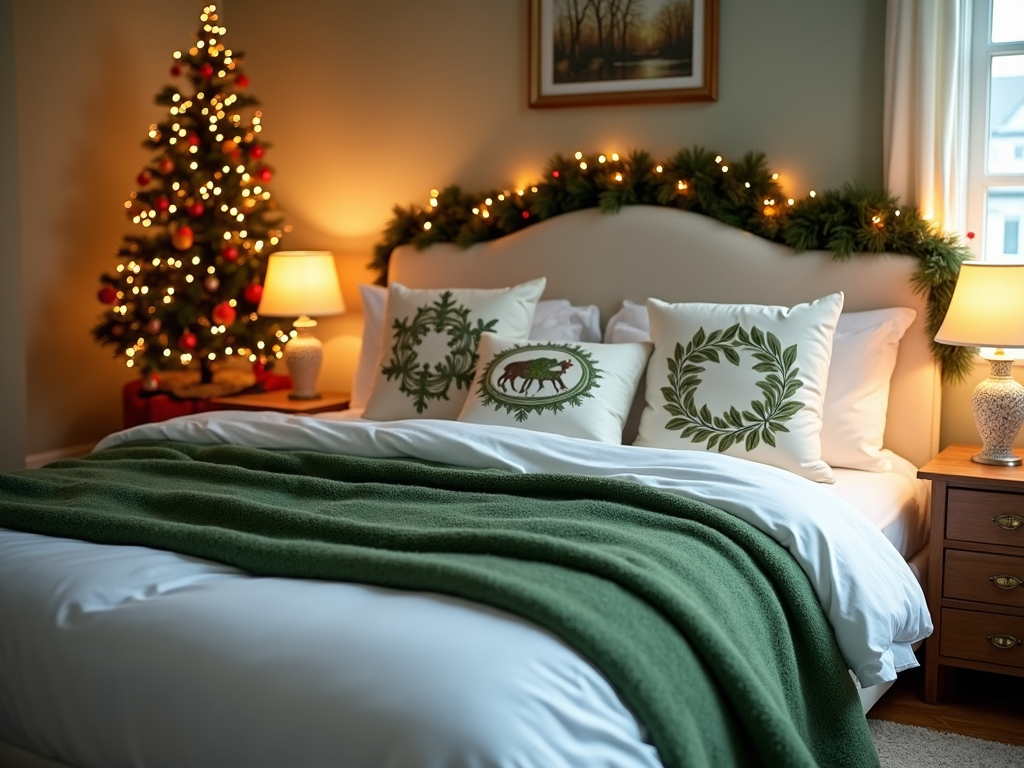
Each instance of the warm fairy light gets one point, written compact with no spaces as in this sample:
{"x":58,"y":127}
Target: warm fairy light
{"x":618,"y":177}
{"x":813,"y":193}
{"x":130,"y":363}
{"x":167,"y":353}
{"x":725,"y":169}
{"x":579,"y":155}
{"x":718,"y":158}
{"x":658,"y":169}
{"x":583,"y":166}
{"x":427,"y":225}
{"x":434,"y":193}
{"x":746,"y":184}
{"x":601,"y":158}
{"x":533,"y":189}
{"x":177,"y":54}
{"x":488,"y":201}
{"x":615,"y":157}
{"x":476,"y":211}
{"x":486,"y":215}
{"x":189,"y":278}
{"x":433,"y":202}
{"x":681,"y":185}
{"x":501,"y":197}
{"x":775,"y":177}
{"x":520,"y":192}
{"x":211,"y":270}
{"x":790,"y":201}
{"x":897,"y":213}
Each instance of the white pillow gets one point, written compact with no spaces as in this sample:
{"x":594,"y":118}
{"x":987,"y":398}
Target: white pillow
{"x":857,"y":399}
{"x":554,"y":320}
{"x":573,"y":389}
{"x":864,"y":352}
{"x":429,"y":347}
{"x":743,"y":379}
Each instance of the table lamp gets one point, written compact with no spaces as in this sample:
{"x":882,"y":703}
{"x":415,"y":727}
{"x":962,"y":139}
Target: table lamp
{"x":302,"y":283}
{"x":987,"y":311}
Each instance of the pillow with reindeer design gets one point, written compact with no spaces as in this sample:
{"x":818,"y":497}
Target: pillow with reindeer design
{"x":576,"y":389}
{"x":742,"y":379}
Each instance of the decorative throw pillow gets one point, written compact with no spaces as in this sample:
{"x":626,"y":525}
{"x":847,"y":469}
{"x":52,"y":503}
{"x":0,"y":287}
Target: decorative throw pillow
{"x":742,"y":379}
{"x":429,"y":352}
{"x":555,"y":319}
{"x":857,"y":399}
{"x":576,"y":389}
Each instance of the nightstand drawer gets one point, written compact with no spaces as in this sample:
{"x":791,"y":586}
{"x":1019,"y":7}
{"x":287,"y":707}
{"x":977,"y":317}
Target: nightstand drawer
{"x":982,"y":637}
{"x":985,"y":516}
{"x":984,"y":578}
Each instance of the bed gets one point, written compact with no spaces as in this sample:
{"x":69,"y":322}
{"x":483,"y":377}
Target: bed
{"x":117,"y":653}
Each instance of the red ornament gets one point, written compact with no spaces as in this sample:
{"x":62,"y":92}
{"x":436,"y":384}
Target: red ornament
{"x":196,"y":210}
{"x":241,"y":81}
{"x":970,"y":235}
{"x":175,"y":71}
{"x":107,"y":295}
{"x":265,"y":174}
{"x":252,"y":293}
{"x":162,"y":203}
{"x":187,"y":341}
{"x":223,"y":314}
{"x":166,"y":166}
{"x":556,"y":174}
{"x":153,"y":326}
{"x":182,"y":238}
{"x":229,"y":252}
{"x":256,"y":151}
{"x":206,"y":70}
{"x":144,"y":178}
{"x":193,"y":139}
{"x":526,"y":214}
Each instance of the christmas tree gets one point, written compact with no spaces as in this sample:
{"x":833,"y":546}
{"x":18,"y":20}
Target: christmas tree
{"x":187,"y":286}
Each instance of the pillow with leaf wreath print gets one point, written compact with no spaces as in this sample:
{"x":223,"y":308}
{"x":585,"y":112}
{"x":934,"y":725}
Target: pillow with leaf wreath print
{"x":428,"y":356}
{"x":575,"y":389}
{"x":742,"y":379}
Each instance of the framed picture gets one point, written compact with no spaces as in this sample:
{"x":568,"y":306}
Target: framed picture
{"x":592,"y":52}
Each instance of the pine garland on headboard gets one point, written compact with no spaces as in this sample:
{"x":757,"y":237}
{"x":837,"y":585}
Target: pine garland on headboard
{"x":747,"y":194}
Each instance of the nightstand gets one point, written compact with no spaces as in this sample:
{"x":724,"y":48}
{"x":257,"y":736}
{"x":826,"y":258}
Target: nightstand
{"x":976,"y":567}
{"x":278,"y":400}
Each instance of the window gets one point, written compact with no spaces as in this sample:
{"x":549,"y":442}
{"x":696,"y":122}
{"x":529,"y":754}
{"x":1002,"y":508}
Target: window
{"x":996,"y":162}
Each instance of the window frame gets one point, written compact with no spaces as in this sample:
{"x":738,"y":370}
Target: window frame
{"x":979,"y":179}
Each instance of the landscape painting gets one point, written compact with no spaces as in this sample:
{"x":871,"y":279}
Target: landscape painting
{"x":586,"y":52}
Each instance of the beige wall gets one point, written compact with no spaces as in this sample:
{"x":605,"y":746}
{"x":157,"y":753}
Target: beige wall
{"x":12,"y":376}
{"x":368,"y":105}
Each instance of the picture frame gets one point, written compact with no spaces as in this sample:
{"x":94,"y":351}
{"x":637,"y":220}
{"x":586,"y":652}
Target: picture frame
{"x":602,"y":52}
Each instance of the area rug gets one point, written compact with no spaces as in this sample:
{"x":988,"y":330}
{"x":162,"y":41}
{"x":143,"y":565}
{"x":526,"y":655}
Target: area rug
{"x":907,"y":746}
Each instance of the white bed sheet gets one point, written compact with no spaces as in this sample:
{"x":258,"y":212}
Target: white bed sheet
{"x":198,"y":641}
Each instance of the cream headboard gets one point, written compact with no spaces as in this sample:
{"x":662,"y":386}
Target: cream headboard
{"x":595,"y":258}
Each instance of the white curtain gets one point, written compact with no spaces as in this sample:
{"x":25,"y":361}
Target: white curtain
{"x":926,"y":106}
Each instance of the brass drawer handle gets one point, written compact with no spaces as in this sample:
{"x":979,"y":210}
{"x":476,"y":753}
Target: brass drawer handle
{"x":1004,"y":641}
{"x":1009,"y":522}
{"x":1006,"y":582}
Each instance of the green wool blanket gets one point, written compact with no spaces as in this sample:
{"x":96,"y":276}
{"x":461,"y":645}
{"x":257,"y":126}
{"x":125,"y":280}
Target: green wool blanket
{"x":707,"y":628}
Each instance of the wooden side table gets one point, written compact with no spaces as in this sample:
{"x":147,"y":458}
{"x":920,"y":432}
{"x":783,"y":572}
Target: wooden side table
{"x":279,"y":401}
{"x":976,"y":567}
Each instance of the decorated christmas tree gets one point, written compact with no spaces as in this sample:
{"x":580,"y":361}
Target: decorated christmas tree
{"x":187,"y":285}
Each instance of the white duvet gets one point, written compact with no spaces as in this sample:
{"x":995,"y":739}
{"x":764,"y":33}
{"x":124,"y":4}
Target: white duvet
{"x":370,"y":676}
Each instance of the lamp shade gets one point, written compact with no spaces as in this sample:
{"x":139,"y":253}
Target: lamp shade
{"x":987,"y":308}
{"x":301,"y":283}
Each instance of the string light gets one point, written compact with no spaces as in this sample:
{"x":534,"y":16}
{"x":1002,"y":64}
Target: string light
{"x":615,"y":156}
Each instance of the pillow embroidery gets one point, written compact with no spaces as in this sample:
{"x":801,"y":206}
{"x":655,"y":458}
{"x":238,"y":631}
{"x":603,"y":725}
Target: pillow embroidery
{"x":419,"y":382}
{"x":749,"y":427}
{"x":516,"y":379}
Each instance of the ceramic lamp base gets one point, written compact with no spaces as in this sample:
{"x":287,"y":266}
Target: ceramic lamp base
{"x":998,"y":403}
{"x":303,"y":355}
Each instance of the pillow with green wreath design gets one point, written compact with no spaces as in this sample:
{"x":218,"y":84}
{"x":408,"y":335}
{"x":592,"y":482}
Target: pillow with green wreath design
{"x":742,"y":379}
{"x":429,"y":353}
{"x":576,"y":389}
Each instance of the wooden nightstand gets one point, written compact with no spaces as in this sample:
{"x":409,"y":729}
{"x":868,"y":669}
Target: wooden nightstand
{"x":278,"y":400}
{"x":976,"y":567}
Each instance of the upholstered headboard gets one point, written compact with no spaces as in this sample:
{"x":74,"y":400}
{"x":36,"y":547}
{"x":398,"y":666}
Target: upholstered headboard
{"x":595,"y":258}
